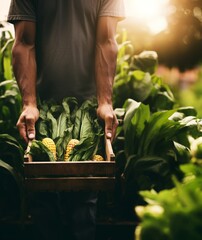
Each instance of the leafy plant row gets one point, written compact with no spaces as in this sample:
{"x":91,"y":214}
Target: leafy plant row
{"x":158,"y":149}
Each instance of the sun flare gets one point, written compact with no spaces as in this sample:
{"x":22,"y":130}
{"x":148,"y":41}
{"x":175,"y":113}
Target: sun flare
{"x":152,"y":13}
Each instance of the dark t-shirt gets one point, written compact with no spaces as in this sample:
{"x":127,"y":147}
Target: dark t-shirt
{"x":65,"y":42}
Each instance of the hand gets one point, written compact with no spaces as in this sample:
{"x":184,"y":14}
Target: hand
{"x":106,"y":113}
{"x":26,"y":122}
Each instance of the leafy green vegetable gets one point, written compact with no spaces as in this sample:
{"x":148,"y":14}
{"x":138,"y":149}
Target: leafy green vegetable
{"x":169,"y":211}
{"x":161,"y":97}
{"x":11,"y":176}
{"x":62,"y":122}
{"x":150,"y":145}
{"x":136,"y":79}
{"x":90,"y":133}
{"x":137,"y":114}
{"x":146,"y":61}
{"x":10,"y":105}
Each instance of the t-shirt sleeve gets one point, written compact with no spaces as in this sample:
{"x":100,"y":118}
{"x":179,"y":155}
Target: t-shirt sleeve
{"x":113,"y":8}
{"x":21,"y":10}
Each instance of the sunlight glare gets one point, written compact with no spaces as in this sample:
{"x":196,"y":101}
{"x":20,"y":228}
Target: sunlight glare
{"x":152,"y":13}
{"x":158,"y":25}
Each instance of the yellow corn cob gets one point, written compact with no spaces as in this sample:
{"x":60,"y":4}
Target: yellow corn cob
{"x":98,"y":158}
{"x":49,"y":143}
{"x":70,"y":146}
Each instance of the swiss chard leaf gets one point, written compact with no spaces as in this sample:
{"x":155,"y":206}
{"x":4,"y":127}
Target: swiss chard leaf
{"x":152,"y":130}
{"x":140,"y":85}
{"x":146,"y":61}
{"x":147,"y":172}
{"x":134,"y":124}
{"x":53,"y":125}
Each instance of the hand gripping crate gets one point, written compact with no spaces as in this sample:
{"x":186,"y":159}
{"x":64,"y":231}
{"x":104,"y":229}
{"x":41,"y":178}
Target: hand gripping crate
{"x":71,"y":176}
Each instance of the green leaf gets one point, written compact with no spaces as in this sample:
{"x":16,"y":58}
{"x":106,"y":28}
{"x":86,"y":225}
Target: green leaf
{"x":6,"y":83}
{"x":153,"y":130}
{"x":140,"y":85}
{"x":61,"y":142}
{"x":147,"y":172}
{"x":11,"y":152}
{"x":86,"y":126}
{"x":188,"y":111}
{"x":62,"y":124}
{"x":83,"y":151}
{"x":42,"y":129}
{"x":183,"y":153}
{"x":134,"y":129}
{"x":53,"y":125}
{"x":146,"y":61}
{"x":130,"y":107}
{"x":77,"y":124}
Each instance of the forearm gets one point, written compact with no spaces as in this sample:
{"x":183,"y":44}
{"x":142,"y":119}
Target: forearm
{"x":105,"y":69}
{"x":25,"y":71}
{"x":24,"y":67}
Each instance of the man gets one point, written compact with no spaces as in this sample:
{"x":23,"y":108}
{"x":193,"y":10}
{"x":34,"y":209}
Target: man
{"x":65,"y":48}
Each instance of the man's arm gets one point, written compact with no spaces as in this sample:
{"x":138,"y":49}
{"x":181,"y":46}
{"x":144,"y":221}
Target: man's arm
{"x":24,"y":66}
{"x":105,"y":69}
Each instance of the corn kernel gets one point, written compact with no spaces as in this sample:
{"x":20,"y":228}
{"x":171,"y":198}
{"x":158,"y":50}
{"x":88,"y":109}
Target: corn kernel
{"x":70,"y":146}
{"x":49,"y":143}
{"x":98,"y":158}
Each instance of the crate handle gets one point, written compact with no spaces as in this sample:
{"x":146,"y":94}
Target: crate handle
{"x":109,"y":150}
{"x":27,"y":156}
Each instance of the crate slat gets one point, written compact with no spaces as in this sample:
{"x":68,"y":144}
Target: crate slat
{"x":84,"y":168}
{"x":70,"y":184}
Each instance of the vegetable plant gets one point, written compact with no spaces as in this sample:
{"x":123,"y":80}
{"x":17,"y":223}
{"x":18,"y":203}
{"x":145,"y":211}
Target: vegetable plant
{"x":10,"y":99}
{"x":152,"y":139}
{"x":136,"y":79}
{"x":173,"y":214}
{"x":11,"y":177}
{"x":153,"y":149}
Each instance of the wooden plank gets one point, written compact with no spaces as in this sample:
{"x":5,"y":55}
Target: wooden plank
{"x":84,"y":168}
{"x":110,"y":156}
{"x":70,"y":184}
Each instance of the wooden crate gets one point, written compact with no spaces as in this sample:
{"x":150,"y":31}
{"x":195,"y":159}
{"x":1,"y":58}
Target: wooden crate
{"x":71,"y":176}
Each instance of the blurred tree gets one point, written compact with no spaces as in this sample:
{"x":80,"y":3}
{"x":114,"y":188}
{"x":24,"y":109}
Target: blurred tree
{"x":181,"y":44}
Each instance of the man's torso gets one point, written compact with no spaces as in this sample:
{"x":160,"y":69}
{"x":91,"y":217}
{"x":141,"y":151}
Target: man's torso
{"x":65,"y":42}
{"x":66,"y":33}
